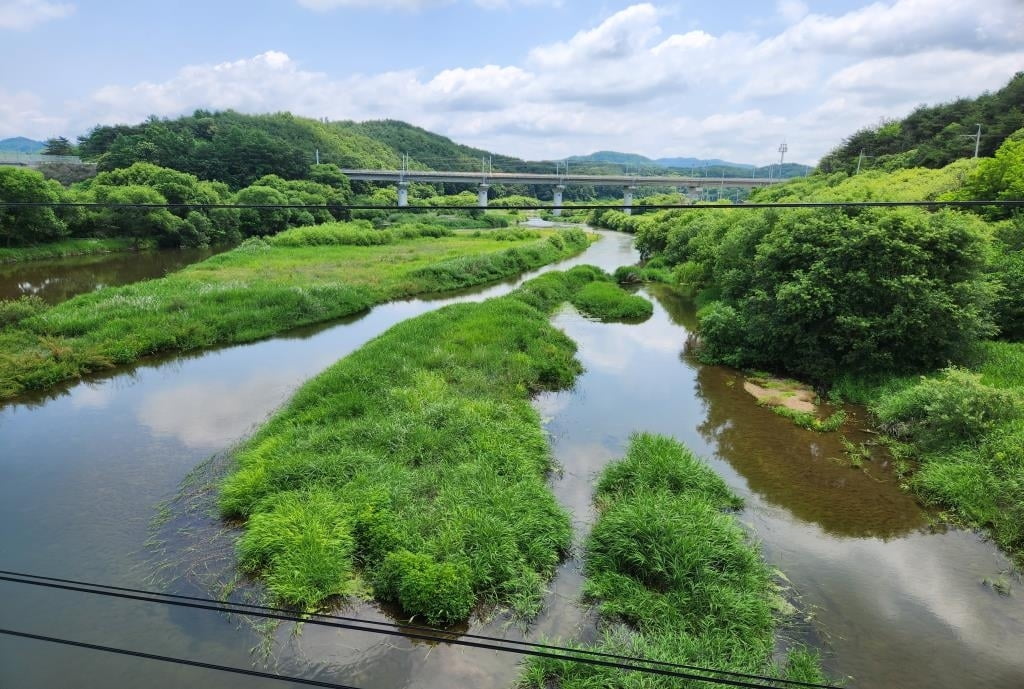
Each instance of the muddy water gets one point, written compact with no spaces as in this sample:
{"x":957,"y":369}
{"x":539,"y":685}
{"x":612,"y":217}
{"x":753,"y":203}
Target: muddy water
{"x":55,"y":280}
{"x":894,"y":601}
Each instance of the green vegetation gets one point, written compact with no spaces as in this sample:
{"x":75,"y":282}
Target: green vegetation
{"x":356,"y":233}
{"x":251,"y":292}
{"x":934,"y":136}
{"x":673,"y":576}
{"x":70,"y":247}
{"x":607,"y":301}
{"x":416,"y":466}
{"x":811,"y":422}
{"x":961,"y":435}
{"x":861,"y":302}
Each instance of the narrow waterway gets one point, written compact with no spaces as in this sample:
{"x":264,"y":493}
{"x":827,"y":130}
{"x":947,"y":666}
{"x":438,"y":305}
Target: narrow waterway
{"x":57,"y":279}
{"x":893,"y":600}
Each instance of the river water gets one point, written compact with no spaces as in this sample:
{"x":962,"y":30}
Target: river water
{"x":891,"y":597}
{"x":55,"y":280}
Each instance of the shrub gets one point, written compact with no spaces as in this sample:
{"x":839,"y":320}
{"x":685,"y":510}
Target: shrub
{"x":955,"y":407}
{"x":14,"y":310}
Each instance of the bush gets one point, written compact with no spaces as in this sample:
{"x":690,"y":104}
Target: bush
{"x":15,"y":310}
{"x":439,"y":592}
{"x":953,"y":408}
{"x":821,"y":292}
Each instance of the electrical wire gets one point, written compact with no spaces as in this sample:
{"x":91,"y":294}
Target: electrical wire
{"x":409,"y":631}
{"x":1002,"y":203}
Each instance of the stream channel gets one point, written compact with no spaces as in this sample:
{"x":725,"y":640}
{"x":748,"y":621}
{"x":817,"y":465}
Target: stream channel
{"x":891,"y":596}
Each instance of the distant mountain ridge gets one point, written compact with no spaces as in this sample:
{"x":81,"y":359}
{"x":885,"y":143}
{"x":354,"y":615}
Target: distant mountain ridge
{"x":617,"y":158}
{"x":21,"y":144}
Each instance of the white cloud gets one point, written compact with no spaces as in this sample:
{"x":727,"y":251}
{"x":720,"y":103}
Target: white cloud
{"x":908,"y":26}
{"x":24,"y":14}
{"x":625,"y":83}
{"x":326,"y":5}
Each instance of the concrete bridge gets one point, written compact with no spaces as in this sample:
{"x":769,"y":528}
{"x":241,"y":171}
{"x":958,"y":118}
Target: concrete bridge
{"x":558,"y":182}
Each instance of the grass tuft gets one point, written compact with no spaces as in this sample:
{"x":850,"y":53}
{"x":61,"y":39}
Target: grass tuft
{"x":673,"y":576}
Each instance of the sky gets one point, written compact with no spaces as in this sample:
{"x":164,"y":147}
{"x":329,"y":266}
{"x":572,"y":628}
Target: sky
{"x":539,"y":79}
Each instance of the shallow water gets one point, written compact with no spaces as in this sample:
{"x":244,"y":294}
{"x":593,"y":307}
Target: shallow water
{"x":55,"y":280}
{"x":894,"y":601}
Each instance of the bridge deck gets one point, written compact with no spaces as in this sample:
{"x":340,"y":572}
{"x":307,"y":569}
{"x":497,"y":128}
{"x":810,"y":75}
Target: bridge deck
{"x":542,"y":178}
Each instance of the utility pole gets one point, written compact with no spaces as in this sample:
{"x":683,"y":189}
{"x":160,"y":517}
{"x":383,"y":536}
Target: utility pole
{"x":860,"y":159}
{"x":783,"y":147}
{"x":977,"y":141}
{"x":318,"y":156}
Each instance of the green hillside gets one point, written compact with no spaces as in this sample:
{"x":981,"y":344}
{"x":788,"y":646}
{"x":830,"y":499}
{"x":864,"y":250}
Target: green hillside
{"x":934,"y":136}
{"x":234,"y":148}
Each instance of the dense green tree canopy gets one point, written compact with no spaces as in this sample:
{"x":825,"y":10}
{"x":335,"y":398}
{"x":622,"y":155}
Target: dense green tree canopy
{"x":28,"y":225}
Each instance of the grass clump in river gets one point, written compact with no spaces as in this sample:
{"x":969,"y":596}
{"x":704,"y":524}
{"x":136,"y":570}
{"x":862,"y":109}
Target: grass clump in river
{"x":415,"y":468}
{"x":253,"y":291}
{"x":609,"y":302}
{"x":673,"y":576}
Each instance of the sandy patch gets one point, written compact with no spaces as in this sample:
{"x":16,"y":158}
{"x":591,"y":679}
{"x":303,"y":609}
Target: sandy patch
{"x":782,"y":393}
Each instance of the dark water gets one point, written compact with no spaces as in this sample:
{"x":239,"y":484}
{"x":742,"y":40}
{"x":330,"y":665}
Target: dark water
{"x":58,"y":279}
{"x":893,"y":601}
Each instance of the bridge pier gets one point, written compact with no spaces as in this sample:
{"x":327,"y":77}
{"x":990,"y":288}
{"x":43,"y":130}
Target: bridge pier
{"x":403,"y":194}
{"x":481,"y":195}
{"x":557,"y":199}
{"x":627,"y":199}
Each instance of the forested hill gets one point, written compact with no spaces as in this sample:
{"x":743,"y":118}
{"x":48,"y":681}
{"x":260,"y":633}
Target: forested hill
{"x":934,"y":136}
{"x":235,"y":148}
{"x":429,"y":150}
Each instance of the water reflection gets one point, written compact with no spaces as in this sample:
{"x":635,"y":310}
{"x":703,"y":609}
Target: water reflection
{"x":56,"y":280}
{"x":81,"y":471}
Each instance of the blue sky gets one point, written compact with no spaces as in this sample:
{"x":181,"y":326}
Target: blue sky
{"x":535,"y":78}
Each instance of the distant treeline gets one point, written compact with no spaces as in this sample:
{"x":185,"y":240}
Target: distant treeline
{"x":934,"y":136}
{"x":146,"y":183}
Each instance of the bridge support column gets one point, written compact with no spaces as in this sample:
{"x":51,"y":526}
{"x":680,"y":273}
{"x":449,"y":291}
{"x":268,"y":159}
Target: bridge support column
{"x":557,"y":199}
{"x":627,"y":199}
{"x":403,"y":194}
{"x":481,"y":195}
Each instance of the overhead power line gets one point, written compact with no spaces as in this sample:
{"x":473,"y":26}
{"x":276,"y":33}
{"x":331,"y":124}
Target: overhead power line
{"x":177,"y":661}
{"x":1005,"y":203}
{"x":725,"y":677}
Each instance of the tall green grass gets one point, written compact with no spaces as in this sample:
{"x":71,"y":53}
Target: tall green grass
{"x":609,"y":302}
{"x":71,"y":247}
{"x":673,"y":576}
{"x":416,"y":466}
{"x":250,"y":292}
{"x":355,"y":233}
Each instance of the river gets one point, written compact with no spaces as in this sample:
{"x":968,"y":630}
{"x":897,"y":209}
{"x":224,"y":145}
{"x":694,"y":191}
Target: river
{"x":57,"y":279}
{"x":893,"y":598}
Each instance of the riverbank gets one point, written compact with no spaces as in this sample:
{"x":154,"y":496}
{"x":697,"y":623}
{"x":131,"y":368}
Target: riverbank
{"x":673,"y":576}
{"x":71,"y":247}
{"x":251,"y":292}
{"x":958,"y":437}
{"x":415,"y":468}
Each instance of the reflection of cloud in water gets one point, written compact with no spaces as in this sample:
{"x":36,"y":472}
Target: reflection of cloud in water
{"x":213,"y":414}
{"x":88,"y":396}
{"x":927,"y":587}
{"x":611,"y":346}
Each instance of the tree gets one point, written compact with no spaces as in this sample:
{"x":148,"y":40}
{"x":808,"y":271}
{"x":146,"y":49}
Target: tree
{"x":58,"y":146}
{"x":27,"y":225}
